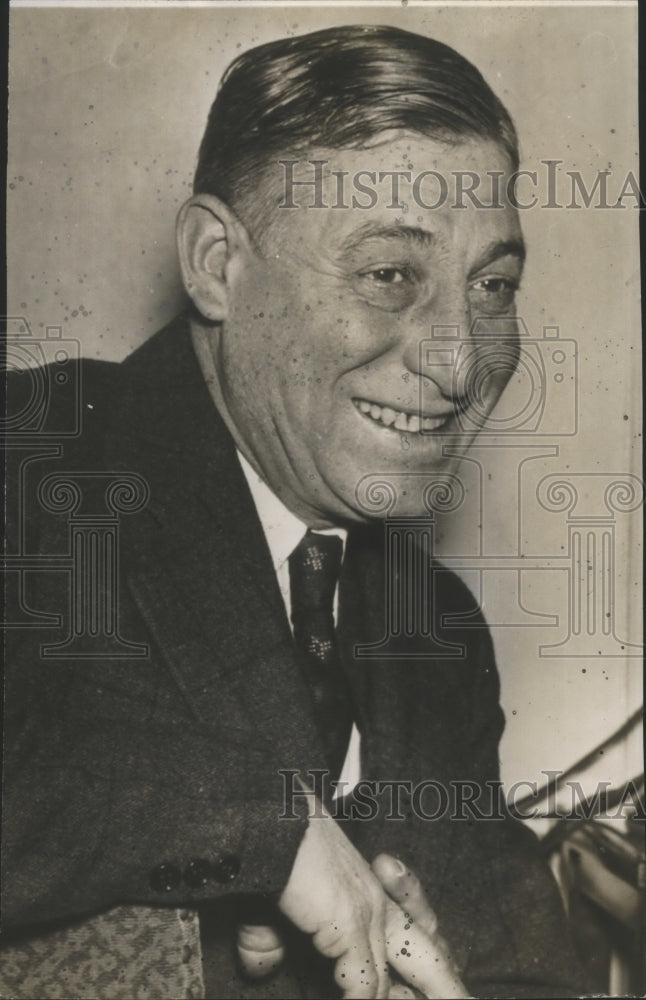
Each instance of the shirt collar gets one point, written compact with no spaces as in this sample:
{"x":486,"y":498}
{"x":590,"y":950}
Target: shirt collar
{"x":283,"y":530}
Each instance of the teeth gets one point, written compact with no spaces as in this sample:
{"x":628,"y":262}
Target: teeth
{"x":412,"y":423}
{"x":430,"y":423}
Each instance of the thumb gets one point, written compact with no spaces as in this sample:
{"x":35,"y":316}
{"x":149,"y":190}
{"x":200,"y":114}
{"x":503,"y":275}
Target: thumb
{"x":415,"y":949}
{"x":260,"y":950}
{"x":404,"y":887}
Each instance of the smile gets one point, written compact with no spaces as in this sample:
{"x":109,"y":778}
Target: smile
{"x":398,"y":420}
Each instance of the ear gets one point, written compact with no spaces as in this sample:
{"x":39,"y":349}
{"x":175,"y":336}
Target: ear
{"x":208,"y":237}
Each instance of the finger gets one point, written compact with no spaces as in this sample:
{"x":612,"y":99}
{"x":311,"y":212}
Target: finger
{"x":260,"y":950}
{"x":400,"y":992}
{"x":378,"y":943}
{"x":422,"y":960}
{"x":355,"y":973}
{"x":415,"y":948}
{"x":404,"y":887}
{"x":358,"y":945}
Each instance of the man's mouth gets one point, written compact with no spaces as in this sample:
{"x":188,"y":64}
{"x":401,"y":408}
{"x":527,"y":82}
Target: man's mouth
{"x":399,"y":420}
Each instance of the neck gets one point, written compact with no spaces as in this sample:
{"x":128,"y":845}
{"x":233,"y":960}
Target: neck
{"x":205,"y":343}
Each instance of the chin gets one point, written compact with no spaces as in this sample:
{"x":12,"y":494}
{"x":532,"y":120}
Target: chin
{"x":372,"y":485}
{"x":405,"y":493}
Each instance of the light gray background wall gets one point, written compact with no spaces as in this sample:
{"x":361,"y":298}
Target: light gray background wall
{"x":107,"y":107}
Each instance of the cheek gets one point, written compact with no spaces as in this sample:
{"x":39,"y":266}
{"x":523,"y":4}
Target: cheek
{"x":352,"y":334}
{"x":492,"y":368}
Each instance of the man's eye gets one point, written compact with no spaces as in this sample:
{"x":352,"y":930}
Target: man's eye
{"x":496,"y":285}
{"x":494,"y":294}
{"x":391,"y":287}
{"x":386,"y":275}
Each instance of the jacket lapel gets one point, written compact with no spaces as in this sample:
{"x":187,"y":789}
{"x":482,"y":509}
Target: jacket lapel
{"x":196,"y":558}
{"x":405,"y":721}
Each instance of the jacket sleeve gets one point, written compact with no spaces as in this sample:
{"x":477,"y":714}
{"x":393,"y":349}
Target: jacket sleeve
{"x":521,"y":946}
{"x":114,"y":791}
{"x":113,"y":794}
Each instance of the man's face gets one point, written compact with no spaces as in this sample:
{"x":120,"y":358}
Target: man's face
{"x":319,"y":358}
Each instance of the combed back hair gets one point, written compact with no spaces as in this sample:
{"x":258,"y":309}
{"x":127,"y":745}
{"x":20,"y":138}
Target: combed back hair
{"x":338,"y":89}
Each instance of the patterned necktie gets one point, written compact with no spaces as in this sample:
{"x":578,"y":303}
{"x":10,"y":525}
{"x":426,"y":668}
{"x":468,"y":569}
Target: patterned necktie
{"x":313,"y":572}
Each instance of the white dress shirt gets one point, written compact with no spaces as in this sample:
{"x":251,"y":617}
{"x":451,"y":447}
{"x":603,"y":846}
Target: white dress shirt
{"x":283,"y":531}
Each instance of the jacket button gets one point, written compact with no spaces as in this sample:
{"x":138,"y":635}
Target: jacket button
{"x":165,"y":878}
{"x":226,"y":868}
{"x":196,"y":873}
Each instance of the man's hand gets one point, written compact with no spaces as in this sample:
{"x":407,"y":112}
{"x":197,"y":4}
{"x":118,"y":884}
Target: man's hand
{"x":260,"y":949}
{"x":333,"y":895}
{"x":414,"y":948}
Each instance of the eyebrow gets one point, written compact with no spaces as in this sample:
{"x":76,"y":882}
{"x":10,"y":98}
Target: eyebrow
{"x":503,"y":248}
{"x":371,"y":230}
{"x":425,"y":238}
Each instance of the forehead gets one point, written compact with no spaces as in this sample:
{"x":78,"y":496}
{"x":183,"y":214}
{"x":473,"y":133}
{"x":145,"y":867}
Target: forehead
{"x":333,"y":199}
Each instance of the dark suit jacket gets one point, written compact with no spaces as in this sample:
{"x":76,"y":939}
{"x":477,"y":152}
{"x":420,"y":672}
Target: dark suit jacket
{"x":148,"y":789}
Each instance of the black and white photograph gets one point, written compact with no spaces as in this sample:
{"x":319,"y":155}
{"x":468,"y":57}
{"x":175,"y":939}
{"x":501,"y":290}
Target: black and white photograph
{"x":323,"y":566}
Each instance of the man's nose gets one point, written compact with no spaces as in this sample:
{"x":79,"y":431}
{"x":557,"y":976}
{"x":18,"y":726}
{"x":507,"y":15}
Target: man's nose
{"x":435,"y":342}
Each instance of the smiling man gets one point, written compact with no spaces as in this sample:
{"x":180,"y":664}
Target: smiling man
{"x":316,"y":365}
{"x":173,"y":817}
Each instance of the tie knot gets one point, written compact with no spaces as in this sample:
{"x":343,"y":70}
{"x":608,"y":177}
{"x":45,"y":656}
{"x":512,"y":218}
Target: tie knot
{"x":314,"y":570}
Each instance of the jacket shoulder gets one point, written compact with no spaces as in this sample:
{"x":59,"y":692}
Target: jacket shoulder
{"x":453,"y":597}
{"x":64,"y":403}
